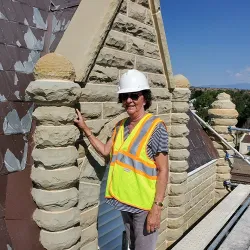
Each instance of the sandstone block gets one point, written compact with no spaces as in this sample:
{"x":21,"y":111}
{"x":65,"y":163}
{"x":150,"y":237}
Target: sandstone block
{"x":221,"y":129}
{"x":181,"y":94}
{"x":55,"y":92}
{"x":178,"y":166}
{"x":178,"y":154}
{"x":152,"y":51}
{"x":153,"y":108}
{"x":96,"y":125}
{"x":93,"y":168}
{"x":161,"y":94}
{"x":55,"y":179}
{"x":93,"y":245}
{"x":157,"y":81}
{"x":149,"y":65}
{"x":223,"y":104}
{"x":223,"y":177}
{"x":166,"y":119}
{"x":179,"y":118}
{"x":113,"y":58}
{"x":89,"y":234}
{"x":223,"y":169}
{"x":54,"y":66}
{"x":220,"y":194}
{"x":56,"y":136}
{"x":180,"y":107}
{"x":149,"y":19}
{"x":60,"y":240}
{"x":91,"y":110}
{"x":179,"y":131}
{"x":93,"y":92}
{"x":124,"y":8}
{"x":164,"y":107}
{"x":178,"y":178}
{"x":143,"y":3}
{"x":223,"y":96}
{"x":52,"y":158}
{"x":104,"y":75}
{"x":112,"y":109}
{"x":57,"y":221}
{"x":175,"y":201}
{"x":179,"y":143}
{"x":223,"y":113}
{"x":161,"y":238}
{"x":54,"y":115}
{"x":219,"y":185}
{"x":175,"y":223}
{"x":88,"y":195}
{"x":135,"y":46}
{"x":174,"y":234}
{"x":177,"y":189}
{"x":137,"y":12}
{"x":181,"y":81}
{"x":55,"y":200}
{"x":88,"y":217}
{"x":116,"y":40}
{"x":130,"y":26}
{"x":223,"y":122}
{"x":176,"y":212}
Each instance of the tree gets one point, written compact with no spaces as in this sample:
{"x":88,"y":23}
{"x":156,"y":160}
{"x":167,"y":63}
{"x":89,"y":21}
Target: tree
{"x":202,"y":101}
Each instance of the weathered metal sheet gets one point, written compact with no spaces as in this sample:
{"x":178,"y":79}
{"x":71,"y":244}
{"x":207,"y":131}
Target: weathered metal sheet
{"x":64,"y":4}
{"x":201,"y":148}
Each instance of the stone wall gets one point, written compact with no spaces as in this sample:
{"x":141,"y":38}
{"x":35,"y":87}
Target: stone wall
{"x":132,"y":42}
{"x":200,"y":193}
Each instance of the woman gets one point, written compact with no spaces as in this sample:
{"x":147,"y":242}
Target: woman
{"x":138,"y":169}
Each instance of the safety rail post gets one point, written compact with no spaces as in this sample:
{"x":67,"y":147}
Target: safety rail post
{"x":222,"y":114}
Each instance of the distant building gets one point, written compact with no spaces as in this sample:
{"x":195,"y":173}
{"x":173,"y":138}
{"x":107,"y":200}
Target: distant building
{"x":245,"y":144}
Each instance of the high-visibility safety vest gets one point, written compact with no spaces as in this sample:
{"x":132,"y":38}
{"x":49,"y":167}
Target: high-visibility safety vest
{"x":132,"y":174}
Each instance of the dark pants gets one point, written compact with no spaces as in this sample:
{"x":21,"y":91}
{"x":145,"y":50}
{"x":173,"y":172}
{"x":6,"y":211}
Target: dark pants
{"x":136,"y":230}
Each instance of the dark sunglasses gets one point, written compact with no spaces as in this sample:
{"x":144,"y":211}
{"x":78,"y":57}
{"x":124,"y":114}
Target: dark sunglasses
{"x":134,"y":96}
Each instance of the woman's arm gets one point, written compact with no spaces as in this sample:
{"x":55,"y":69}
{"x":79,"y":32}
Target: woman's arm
{"x":101,"y":148}
{"x":154,"y":216}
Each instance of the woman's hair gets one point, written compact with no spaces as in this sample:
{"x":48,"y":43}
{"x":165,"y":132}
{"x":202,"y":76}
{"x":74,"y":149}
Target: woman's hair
{"x":147,"y":96}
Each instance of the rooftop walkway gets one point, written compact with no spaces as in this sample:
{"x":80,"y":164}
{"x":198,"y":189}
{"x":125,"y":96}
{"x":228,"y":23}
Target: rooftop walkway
{"x":203,"y":234}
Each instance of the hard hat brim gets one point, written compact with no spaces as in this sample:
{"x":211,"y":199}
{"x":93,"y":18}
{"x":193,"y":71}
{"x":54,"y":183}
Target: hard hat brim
{"x":130,"y":90}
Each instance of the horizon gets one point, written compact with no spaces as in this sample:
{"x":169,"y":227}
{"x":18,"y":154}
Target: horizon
{"x":208,"y":41}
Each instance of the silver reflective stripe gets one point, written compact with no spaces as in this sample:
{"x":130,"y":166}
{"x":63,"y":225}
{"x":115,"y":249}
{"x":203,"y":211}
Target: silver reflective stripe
{"x":144,"y":130}
{"x":137,"y":165}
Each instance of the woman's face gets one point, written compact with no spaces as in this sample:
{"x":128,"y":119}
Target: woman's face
{"x":133,"y":102}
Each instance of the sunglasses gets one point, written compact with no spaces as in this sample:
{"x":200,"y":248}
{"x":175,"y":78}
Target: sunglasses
{"x":134,"y":96}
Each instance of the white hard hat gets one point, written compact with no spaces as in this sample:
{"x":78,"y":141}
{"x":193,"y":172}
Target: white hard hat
{"x":132,"y":81}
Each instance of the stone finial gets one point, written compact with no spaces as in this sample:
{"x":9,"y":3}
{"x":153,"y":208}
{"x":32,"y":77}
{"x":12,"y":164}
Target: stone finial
{"x":54,"y":66}
{"x":223,"y":96}
{"x":181,"y":81}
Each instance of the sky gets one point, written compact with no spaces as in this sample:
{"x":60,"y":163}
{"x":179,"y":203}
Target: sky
{"x":209,"y":40}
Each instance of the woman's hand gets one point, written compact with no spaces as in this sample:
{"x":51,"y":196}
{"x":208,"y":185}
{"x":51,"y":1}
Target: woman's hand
{"x":80,"y":121}
{"x":154,"y":219}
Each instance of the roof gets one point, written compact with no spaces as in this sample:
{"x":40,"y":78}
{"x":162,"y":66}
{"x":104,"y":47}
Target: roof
{"x":246,"y":139}
{"x":200,"y":147}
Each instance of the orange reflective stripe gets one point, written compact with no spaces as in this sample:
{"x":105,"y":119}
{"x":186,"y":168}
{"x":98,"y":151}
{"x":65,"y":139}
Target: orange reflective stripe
{"x":136,"y":171}
{"x":138,"y":131}
{"x":147,"y":136}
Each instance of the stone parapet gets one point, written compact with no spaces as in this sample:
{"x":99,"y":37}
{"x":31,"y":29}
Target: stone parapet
{"x":178,"y":154}
{"x":222,"y":114}
{"x":55,"y":173}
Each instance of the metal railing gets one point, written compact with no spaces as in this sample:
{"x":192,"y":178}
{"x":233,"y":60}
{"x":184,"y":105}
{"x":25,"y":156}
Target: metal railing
{"x":221,"y":138}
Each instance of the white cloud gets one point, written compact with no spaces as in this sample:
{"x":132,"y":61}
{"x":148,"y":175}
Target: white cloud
{"x":242,"y":75}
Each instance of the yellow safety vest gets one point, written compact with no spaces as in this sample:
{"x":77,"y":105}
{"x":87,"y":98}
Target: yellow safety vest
{"x":132,"y":174}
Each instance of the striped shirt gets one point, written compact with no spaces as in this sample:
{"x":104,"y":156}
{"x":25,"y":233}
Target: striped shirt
{"x":158,"y":143}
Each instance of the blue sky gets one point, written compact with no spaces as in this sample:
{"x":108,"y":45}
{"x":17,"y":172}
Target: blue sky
{"x":209,"y":40}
